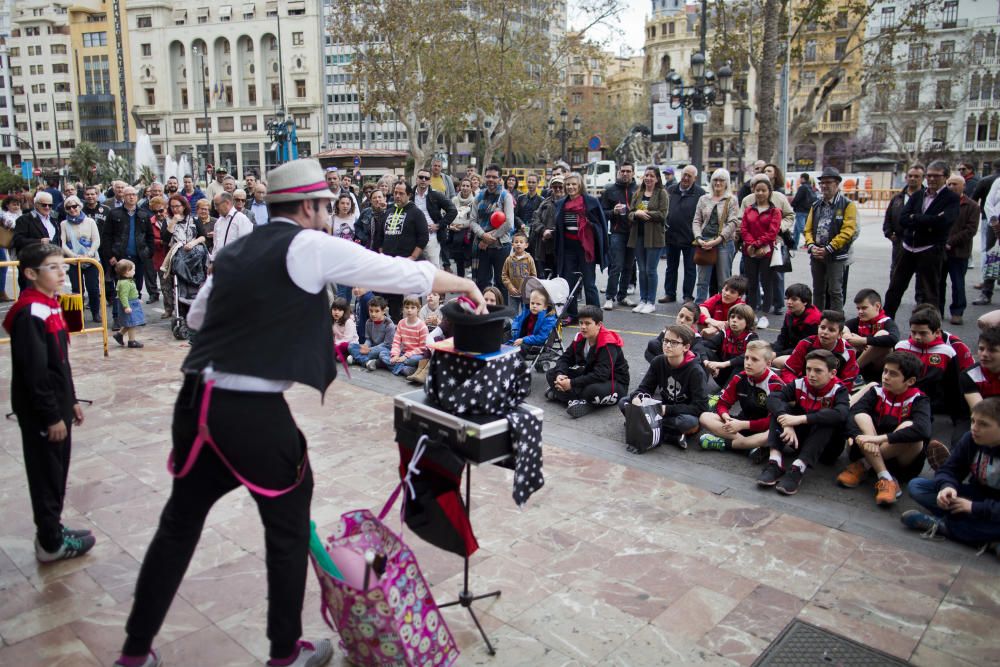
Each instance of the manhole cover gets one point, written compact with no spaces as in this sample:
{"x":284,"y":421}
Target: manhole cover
{"x":804,"y":645}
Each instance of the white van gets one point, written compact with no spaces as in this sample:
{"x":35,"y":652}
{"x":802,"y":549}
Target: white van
{"x":599,"y":175}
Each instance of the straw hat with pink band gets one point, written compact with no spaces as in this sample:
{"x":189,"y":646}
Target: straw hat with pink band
{"x":296,"y":181}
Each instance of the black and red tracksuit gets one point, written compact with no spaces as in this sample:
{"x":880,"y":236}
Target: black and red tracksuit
{"x":751,"y":393}
{"x":795,"y":365}
{"x":796,"y":328}
{"x":978,"y":380}
{"x":726,"y":346}
{"x":942,"y":365}
{"x":826,"y":408}
{"x":42,"y":394}
{"x":598,"y":373}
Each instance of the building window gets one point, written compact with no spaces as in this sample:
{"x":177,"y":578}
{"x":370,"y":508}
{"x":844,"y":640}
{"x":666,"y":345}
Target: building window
{"x":95,"y":39}
{"x":946,"y":57}
{"x":144,"y":21}
{"x":184,"y":98}
{"x":809,"y":78}
{"x":226,"y":124}
{"x":300,"y":87}
{"x":297,"y":39}
{"x":40,"y":107}
{"x":97,"y":18}
{"x":841,"y":20}
{"x":202,"y":15}
{"x":14,"y":52}
{"x":150,"y":96}
{"x":878,"y":134}
{"x":912,"y":97}
{"x":296,"y":7}
{"x":64,"y":125}
{"x":248,"y":11}
{"x":888,"y":19}
{"x":57,"y":49}
{"x":96,"y":75}
{"x":949,"y":14}
{"x":147,"y":50}
{"x":36,"y":70}
{"x":33,"y":32}
{"x":182,"y":126}
{"x":577,"y":80}
{"x":597,"y":80}
{"x":252,"y":94}
{"x":840,"y":50}
{"x":939,"y":132}
{"x":15,"y":71}
{"x":60,"y":68}
{"x":576,"y":98}
{"x":153,"y":128}
{"x":275,"y":92}
{"x":201,"y":123}
{"x":301,"y":121}
{"x":248,"y":123}
{"x":810,"y":52}
{"x":910,"y":133}
{"x":64,"y":106}
{"x":38,"y":88}
{"x":942,"y":96}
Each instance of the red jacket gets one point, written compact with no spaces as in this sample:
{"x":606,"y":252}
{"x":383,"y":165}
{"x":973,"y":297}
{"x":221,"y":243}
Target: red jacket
{"x":760,"y":229}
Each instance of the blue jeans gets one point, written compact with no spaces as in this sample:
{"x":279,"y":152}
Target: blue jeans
{"x":90,"y":281}
{"x":674,"y":254}
{"x":959,"y":527}
{"x":405,"y":367}
{"x":622,"y":260}
{"x":955,"y":269}
{"x":649,"y":260}
{"x":723,"y":270}
{"x":360,"y":358}
{"x":574,"y":262}
{"x":3,"y":271}
{"x":490,"y":268}
{"x":800,"y":225}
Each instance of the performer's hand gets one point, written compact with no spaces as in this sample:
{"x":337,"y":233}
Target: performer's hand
{"x":57,"y":432}
{"x":77,"y":414}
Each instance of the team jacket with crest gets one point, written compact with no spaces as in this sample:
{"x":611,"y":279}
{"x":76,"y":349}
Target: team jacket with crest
{"x":826,"y":406}
{"x":795,"y":366}
{"x":796,"y":328}
{"x":978,"y":380}
{"x":965,"y":358}
{"x":942,"y":364}
{"x":888,"y":411}
{"x":751,"y":393}
{"x":880,"y":322}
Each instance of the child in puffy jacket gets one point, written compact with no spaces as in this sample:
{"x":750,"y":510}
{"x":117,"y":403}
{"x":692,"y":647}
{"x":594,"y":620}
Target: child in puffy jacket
{"x":532,"y":326}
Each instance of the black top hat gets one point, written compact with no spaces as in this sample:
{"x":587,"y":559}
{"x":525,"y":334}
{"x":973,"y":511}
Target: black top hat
{"x":830,"y":172}
{"x":477,"y":334}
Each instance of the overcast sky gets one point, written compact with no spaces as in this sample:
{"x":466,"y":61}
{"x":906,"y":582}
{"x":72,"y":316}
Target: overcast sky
{"x":632,"y":23}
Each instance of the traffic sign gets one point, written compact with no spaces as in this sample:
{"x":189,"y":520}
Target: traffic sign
{"x":37,"y":172}
{"x":699,"y":116}
{"x":26,"y":169}
{"x":594,"y":143}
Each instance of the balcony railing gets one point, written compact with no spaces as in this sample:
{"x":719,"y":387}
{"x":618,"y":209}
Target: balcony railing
{"x":836,"y":126}
{"x":982,"y":145}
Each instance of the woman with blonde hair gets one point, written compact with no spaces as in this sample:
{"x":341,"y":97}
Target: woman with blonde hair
{"x":716,"y":219}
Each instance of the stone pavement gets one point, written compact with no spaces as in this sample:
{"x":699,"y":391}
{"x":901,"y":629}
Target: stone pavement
{"x":608,"y":564}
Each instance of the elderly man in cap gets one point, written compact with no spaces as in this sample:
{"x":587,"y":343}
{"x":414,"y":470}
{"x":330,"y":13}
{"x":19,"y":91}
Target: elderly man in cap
{"x":242,"y":361}
{"x":831,"y":227}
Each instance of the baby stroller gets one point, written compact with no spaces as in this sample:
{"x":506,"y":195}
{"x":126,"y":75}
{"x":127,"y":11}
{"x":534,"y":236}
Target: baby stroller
{"x":189,"y":269}
{"x":560,"y":295}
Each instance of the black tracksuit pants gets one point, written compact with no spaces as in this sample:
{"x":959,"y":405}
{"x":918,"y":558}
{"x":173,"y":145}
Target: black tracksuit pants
{"x":258,"y":436}
{"x":817,"y":443}
{"x":47,"y":466}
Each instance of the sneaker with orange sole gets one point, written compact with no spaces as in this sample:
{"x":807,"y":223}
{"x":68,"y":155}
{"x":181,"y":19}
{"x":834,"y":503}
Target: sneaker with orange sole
{"x":937,"y":454}
{"x":852,"y":475}
{"x":887,"y":492}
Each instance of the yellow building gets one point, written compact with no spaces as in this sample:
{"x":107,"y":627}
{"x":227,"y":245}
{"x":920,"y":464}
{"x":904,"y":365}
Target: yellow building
{"x":100,"y":51}
{"x":626,"y":87}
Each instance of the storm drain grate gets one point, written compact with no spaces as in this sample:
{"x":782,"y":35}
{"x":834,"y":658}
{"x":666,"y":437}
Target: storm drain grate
{"x":804,"y":645}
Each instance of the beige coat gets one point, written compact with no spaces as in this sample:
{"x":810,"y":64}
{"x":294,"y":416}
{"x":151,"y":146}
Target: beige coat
{"x":654,"y":234}
{"x":703,"y":213}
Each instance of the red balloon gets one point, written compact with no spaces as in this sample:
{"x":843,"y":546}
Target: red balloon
{"x":497,"y":219}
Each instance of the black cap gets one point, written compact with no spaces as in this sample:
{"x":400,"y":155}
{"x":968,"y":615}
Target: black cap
{"x":477,"y":334}
{"x":830,"y":172}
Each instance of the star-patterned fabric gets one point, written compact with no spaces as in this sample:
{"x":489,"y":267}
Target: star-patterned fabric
{"x":464,"y":385}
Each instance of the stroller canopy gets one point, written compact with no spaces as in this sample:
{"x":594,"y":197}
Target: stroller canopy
{"x":557,"y":289}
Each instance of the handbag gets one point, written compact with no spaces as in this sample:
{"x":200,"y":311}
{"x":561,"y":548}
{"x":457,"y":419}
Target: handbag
{"x":380,"y":605}
{"x":710,"y":256}
{"x":781,"y":258}
{"x":643,"y":425}
{"x":991,"y":265}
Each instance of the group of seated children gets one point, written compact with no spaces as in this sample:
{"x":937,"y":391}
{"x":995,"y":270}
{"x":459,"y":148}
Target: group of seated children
{"x":825,"y":385}
{"x":399,"y":347}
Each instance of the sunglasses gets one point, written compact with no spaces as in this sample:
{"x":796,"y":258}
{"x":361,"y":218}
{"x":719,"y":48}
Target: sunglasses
{"x":69,"y":206}
{"x":158,"y":211}
{"x":43,"y":205}
{"x":423,"y":178}
{"x":239,"y":198}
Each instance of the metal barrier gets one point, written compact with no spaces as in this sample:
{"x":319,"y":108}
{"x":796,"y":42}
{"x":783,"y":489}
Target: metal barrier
{"x":78,"y":261}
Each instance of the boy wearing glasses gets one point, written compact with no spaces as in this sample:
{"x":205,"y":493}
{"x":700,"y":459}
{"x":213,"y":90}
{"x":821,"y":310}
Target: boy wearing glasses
{"x":43,"y":398}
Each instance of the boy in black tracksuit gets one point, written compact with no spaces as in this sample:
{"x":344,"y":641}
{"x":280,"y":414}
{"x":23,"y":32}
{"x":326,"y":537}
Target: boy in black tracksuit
{"x":44,"y":400}
{"x":807,"y":418}
{"x":592,"y":371}
{"x":679,"y":378}
{"x":801,"y":320}
{"x":872,"y":334}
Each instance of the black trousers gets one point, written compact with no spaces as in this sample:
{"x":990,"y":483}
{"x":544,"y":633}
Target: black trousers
{"x":927,"y":267}
{"x":598,"y":393}
{"x":150,"y":275}
{"x":816,"y":443}
{"x":258,"y":436}
{"x":47,"y":466}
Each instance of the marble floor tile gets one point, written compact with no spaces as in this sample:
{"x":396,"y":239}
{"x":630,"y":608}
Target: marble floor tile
{"x":925,"y":656}
{"x":222,"y":591}
{"x":208,"y":646}
{"x":964,"y":633}
{"x":58,"y":647}
{"x":513,"y":649}
{"x":733,"y":643}
{"x":27,"y":613}
{"x":764,"y":612}
{"x":875,"y":635}
{"x":520,"y":586}
{"x":977,"y":591}
{"x":695,"y":613}
{"x":906,"y":568}
{"x":652,"y":646}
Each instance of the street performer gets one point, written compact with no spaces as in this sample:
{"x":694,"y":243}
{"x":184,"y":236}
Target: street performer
{"x":263,"y":322}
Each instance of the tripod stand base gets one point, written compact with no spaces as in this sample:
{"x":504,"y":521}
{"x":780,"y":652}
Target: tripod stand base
{"x":465,"y":599}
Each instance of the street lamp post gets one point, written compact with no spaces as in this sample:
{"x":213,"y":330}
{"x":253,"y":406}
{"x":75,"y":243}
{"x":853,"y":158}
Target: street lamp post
{"x":563,"y":133}
{"x":743,"y":120}
{"x":702,"y":93}
{"x":209,"y":158}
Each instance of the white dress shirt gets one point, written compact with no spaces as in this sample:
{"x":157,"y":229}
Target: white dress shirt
{"x":230,"y":228}
{"x":314,"y":260}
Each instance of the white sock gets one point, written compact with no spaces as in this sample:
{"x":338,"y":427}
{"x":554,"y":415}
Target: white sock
{"x":800,"y":464}
{"x":885,"y":475}
{"x":776,"y":457}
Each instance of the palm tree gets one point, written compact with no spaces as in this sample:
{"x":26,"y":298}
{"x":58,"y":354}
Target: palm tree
{"x":83,"y":162}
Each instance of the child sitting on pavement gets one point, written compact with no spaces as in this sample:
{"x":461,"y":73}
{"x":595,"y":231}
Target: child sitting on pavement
{"x":344,"y":330}
{"x":430,"y":312}
{"x":722,"y":353}
{"x":983,"y":380}
{"x":678,"y":380}
{"x":964,"y":497}
{"x":714,"y":311}
{"x":379,"y":332}
{"x":872,"y":334}
{"x":801,"y":321}
{"x":532,"y":326}
{"x":748,"y":388}
{"x":409,"y":344}
{"x":807,"y":418}
{"x":592,"y":371}
{"x":828,"y":337}
{"x":889,"y":425}
{"x":686,"y":317}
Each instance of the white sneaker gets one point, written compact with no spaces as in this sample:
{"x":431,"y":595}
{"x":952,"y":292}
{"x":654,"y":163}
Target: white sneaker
{"x":609,"y":304}
{"x":763,"y":322}
{"x":626,"y":302}
{"x":631,"y":289}
{"x":350,"y":360}
{"x":649,"y":308}
{"x":312,"y":654}
{"x":371,"y":364}
{"x":638,"y":308}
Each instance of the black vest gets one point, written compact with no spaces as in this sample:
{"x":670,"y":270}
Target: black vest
{"x":260,"y":323}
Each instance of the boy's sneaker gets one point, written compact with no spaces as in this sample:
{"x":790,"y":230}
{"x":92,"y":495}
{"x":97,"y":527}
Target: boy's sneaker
{"x":937,"y":454}
{"x":859,"y":381}
{"x":308,"y":654}
{"x":852,"y":476}
{"x":758,"y":455}
{"x":790,"y":481}
{"x":771,"y":474}
{"x":678,"y":440}
{"x":713,"y":400}
{"x":152,"y":659}
{"x":925,"y":523}
{"x":350,"y":360}
{"x":626,"y":302}
{"x":72,"y":547}
{"x":550,"y":394}
{"x":709,"y":441}
{"x":763,"y":322}
{"x":70,"y":532}
{"x":577,"y":409}
{"x":371,"y":364}
{"x":887,"y":492}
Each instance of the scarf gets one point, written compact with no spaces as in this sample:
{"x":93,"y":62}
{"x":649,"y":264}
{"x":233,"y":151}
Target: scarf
{"x":76,"y":219}
{"x":54,"y":323}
